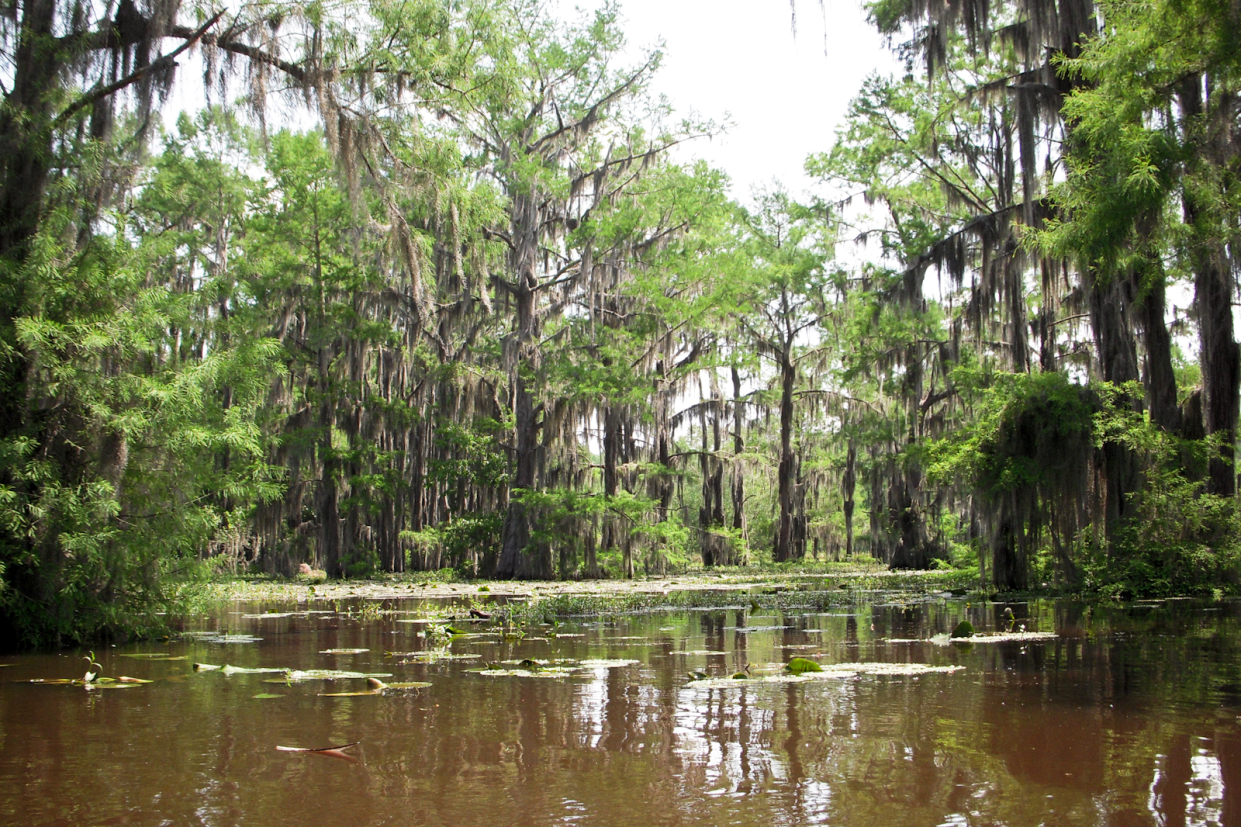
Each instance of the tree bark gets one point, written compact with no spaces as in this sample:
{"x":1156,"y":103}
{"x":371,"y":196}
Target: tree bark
{"x":329,"y":496}
{"x":848,"y":485}
{"x":738,"y":481}
{"x":1160,"y":379}
{"x":787,"y":473}
{"x":518,"y":557}
{"x":25,"y":120}
{"x":1214,"y":288}
{"x":711,"y":515}
{"x":1111,"y":319}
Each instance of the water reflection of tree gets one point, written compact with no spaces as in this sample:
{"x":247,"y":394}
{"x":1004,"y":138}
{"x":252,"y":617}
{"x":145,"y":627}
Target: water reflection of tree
{"x":1114,"y":723}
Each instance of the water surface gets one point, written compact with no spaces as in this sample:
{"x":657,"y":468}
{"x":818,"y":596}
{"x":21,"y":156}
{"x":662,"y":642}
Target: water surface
{"x":1129,"y":716}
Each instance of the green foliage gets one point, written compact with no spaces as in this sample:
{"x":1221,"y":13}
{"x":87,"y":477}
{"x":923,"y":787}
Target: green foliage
{"x":1179,"y":539}
{"x":1030,"y":432}
{"x":800,"y":666}
{"x":300,"y":347}
{"x":106,"y":498}
{"x":467,"y":457}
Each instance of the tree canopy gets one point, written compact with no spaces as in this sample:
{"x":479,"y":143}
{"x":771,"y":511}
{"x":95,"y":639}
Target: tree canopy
{"x":485,"y":315}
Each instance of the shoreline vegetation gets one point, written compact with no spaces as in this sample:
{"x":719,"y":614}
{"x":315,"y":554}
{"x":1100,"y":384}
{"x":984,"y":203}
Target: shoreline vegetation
{"x":789,"y":587}
{"x":843,"y":577}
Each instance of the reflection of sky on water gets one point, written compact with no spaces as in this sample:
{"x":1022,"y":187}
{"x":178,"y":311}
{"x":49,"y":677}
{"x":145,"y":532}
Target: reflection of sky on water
{"x":1125,"y":718}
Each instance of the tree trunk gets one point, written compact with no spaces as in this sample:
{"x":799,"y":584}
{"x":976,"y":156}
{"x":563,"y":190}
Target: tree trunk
{"x":1214,"y":288}
{"x":1110,"y":317}
{"x":738,"y":475}
{"x":612,"y":438}
{"x":787,"y":472}
{"x":329,"y":496}
{"x":848,"y":485}
{"x":518,"y":559}
{"x":1221,"y":370}
{"x":711,"y":516}
{"x":717,"y":489}
{"x":25,"y":142}
{"x":1160,"y":380}
{"x":1008,"y":563}
{"x":910,"y":550}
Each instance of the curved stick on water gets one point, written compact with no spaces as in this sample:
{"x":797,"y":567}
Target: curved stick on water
{"x":330,"y":752}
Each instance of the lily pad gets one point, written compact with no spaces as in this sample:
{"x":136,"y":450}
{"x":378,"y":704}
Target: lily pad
{"x":999,"y":637}
{"x":848,"y":669}
{"x":546,"y":672}
{"x":224,"y":639}
{"x":154,"y":656}
{"x":836,"y":671}
{"x":430,"y":656}
{"x":343,"y":651}
{"x":531,"y":668}
{"x":298,"y":675}
{"x":206,"y":667}
{"x":101,"y":683}
{"x":262,"y":696}
{"x":800,"y":666}
{"x":244,"y":670}
{"x":962,"y":630}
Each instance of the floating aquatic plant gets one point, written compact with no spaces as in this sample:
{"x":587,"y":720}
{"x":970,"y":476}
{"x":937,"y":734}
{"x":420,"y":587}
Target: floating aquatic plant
{"x":218,"y":637}
{"x":245,"y":670}
{"x":836,"y":671}
{"x":299,"y":675}
{"x":962,"y":630}
{"x":545,"y":672}
{"x":800,"y":666}
{"x":1000,"y":637}
{"x":550,"y":669}
{"x":431,"y":656}
{"x":377,"y":687}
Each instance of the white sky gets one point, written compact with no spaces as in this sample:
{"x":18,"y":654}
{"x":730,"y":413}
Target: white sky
{"x":738,"y":60}
{"x":734,"y":61}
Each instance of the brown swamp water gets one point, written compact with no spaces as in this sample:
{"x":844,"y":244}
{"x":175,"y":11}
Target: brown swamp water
{"x":1129,"y":716}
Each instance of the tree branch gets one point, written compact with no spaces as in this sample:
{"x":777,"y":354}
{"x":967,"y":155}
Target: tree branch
{"x":227,"y":44}
{"x":160,"y":62}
